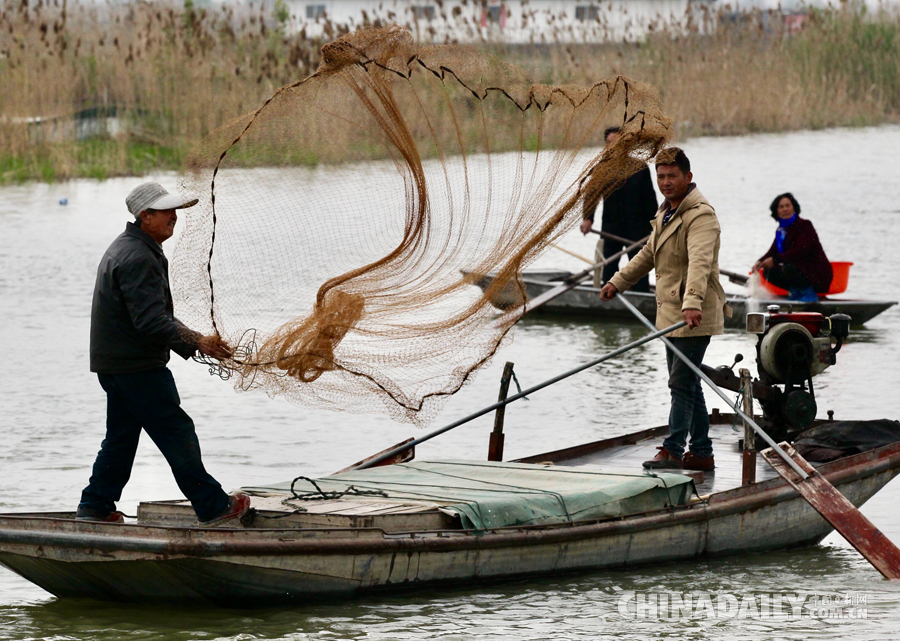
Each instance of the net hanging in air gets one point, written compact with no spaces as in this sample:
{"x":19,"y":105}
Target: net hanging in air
{"x":342,"y":225}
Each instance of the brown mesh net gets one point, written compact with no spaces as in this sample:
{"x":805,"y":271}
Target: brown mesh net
{"x":342,"y":225}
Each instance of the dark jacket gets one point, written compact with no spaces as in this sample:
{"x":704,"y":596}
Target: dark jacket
{"x":628,"y":210}
{"x":133,"y":326}
{"x":803,"y":250}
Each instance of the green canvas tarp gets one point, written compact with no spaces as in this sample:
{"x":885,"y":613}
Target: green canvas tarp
{"x":487,"y":495}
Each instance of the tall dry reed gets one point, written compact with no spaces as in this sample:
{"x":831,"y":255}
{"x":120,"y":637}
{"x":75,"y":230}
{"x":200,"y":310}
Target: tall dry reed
{"x":754,"y":72}
{"x":168,"y":74}
{"x":164,"y":75}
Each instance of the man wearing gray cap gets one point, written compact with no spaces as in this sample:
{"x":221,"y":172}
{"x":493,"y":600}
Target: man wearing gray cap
{"x":133,"y":327}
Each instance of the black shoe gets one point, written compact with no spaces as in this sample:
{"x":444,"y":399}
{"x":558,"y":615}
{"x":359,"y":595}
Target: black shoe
{"x":83,"y":513}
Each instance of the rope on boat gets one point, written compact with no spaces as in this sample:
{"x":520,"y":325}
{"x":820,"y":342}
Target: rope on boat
{"x":666,"y":485}
{"x":518,"y":387}
{"x":321,"y":495}
{"x":738,"y":401}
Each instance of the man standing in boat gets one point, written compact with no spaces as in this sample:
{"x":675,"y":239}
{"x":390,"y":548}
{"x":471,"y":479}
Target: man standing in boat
{"x":627,"y":213}
{"x":133,"y":328}
{"x":684,"y":250}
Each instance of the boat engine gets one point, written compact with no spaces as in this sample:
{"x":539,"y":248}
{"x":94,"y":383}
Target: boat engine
{"x":791,"y":349}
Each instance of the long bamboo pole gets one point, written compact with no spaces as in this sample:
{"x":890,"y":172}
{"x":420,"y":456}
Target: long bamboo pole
{"x":621,"y":350}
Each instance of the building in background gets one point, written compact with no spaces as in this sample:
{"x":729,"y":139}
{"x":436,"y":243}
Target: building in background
{"x":535,"y":21}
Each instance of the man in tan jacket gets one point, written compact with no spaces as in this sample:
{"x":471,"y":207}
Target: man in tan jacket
{"x":684,"y":250}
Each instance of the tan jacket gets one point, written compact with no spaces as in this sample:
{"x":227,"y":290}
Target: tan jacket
{"x":685,"y":254}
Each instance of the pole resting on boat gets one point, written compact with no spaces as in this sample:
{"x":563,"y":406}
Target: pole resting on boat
{"x":621,"y":350}
{"x":706,"y":379}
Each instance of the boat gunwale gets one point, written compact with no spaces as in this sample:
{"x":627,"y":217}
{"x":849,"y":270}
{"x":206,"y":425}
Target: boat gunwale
{"x":773,"y":491}
{"x":768,"y":300}
{"x":729,"y":297}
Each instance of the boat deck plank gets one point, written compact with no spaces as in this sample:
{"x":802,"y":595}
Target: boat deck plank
{"x":281,"y":510}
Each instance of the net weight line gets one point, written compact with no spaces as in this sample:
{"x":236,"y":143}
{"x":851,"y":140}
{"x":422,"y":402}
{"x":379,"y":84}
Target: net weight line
{"x":621,"y":350}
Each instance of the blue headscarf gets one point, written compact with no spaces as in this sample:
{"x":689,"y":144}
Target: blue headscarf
{"x":781,"y":232}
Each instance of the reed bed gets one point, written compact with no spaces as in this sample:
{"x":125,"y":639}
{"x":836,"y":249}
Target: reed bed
{"x":107,"y":89}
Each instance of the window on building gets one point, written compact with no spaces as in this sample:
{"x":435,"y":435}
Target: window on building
{"x":423,"y":12}
{"x":585,"y":12}
{"x":315,"y":11}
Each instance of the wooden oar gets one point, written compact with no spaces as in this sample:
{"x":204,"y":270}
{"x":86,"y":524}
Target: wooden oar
{"x":567,"y":284}
{"x":813,"y":487}
{"x":840,"y":512}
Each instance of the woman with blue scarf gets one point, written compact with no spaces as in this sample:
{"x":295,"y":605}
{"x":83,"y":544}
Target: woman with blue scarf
{"x":795,"y":261}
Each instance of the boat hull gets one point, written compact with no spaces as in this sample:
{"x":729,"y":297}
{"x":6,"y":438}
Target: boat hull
{"x":241,"y":567}
{"x":584,"y":301}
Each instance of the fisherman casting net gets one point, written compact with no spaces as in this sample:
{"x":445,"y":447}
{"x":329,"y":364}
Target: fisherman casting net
{"x":336,"y":222}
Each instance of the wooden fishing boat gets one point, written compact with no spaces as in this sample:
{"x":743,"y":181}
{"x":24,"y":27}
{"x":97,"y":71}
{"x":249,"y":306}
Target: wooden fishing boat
{"x":583,"y":301}
{"x":405,"y":524}
{"x":346,"y":546}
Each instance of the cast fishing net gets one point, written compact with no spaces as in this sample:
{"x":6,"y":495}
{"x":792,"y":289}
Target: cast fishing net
{"x":342,"y":226}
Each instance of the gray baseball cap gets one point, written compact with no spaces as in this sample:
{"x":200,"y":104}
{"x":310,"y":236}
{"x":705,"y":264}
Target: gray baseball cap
{"x":154,"y":196}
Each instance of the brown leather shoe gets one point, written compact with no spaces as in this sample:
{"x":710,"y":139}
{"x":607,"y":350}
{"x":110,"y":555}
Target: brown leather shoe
{"x":664,"y":460}
{"x":703,"y":463}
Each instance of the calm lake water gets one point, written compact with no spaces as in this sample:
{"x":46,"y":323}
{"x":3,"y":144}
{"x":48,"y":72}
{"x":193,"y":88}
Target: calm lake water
{"x":52,"y":412}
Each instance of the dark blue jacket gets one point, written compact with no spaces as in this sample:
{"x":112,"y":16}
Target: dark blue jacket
{"x":133,"y":325}
{"x":628,"y":211}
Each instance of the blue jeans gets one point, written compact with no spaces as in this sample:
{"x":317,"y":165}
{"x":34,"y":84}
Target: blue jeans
{"x":688,"y":415}
{"x":149,"y":400}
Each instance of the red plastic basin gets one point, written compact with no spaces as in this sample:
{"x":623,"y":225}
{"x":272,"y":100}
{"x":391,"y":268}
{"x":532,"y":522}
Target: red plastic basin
{"x":838,"y":283}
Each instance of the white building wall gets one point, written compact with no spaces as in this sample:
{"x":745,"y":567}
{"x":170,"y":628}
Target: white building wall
{"x":516,"y":21}
{"x":528,"y":21}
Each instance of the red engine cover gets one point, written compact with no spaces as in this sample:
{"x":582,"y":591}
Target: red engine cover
{"x":812,"y":321}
